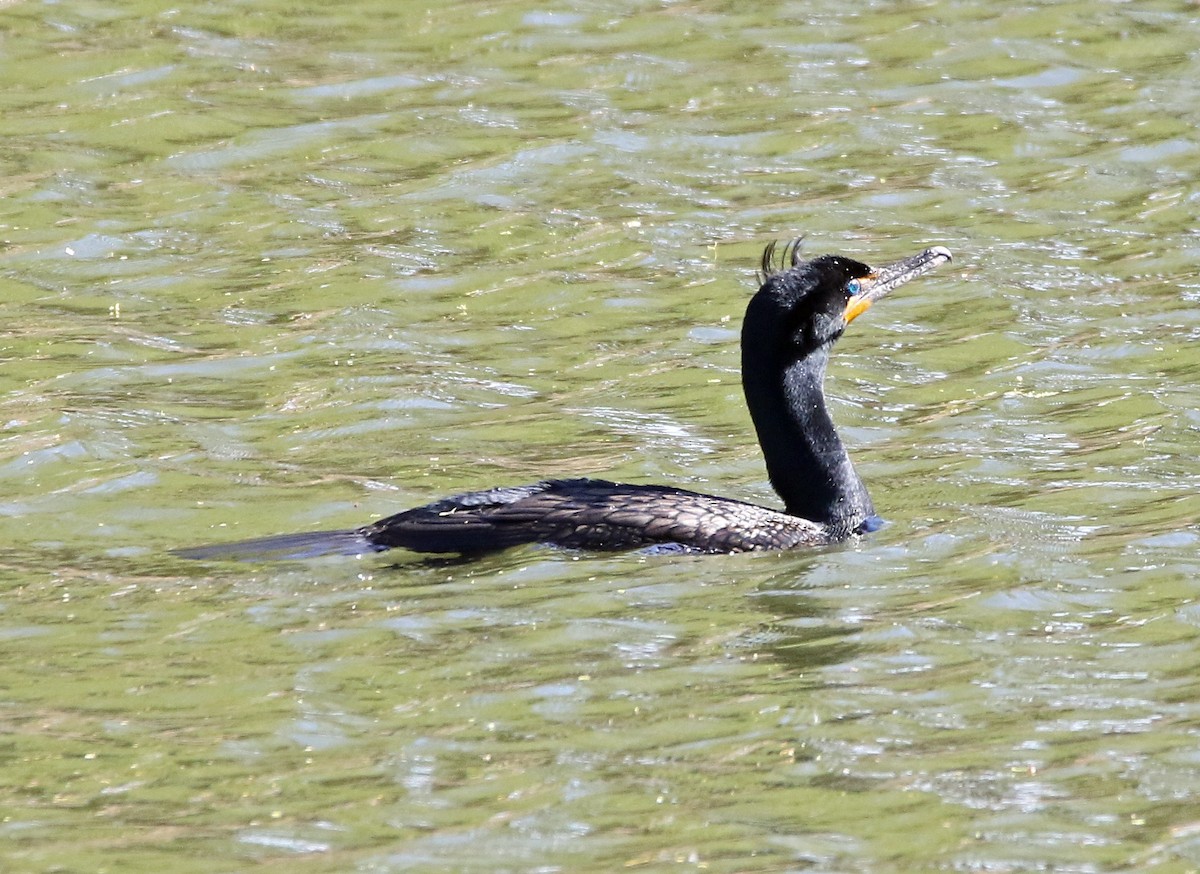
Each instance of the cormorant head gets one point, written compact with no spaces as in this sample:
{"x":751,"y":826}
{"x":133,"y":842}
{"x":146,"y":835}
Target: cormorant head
{"x":808,"y":304}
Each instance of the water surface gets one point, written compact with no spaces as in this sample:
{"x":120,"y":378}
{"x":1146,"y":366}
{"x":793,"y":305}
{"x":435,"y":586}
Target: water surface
{"x":273,"y":268}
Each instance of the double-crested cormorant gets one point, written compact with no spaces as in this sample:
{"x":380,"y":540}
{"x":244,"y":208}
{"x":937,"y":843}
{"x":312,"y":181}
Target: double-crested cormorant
{"x":791,"y":324}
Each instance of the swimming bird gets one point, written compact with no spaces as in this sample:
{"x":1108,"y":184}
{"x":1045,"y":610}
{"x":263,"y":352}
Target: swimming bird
{"x":790,"y":326}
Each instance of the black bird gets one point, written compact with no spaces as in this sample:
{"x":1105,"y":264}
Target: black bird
{"x":791,"y":324}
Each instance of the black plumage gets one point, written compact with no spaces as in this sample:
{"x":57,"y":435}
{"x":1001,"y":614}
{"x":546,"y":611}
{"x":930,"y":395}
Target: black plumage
{"x":790,"y":326}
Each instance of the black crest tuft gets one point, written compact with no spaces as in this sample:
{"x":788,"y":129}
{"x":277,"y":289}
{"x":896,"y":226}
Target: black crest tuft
{"x":788,"y":258}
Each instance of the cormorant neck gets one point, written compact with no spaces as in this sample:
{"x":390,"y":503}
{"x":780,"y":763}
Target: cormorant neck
{"x":806,"y":461}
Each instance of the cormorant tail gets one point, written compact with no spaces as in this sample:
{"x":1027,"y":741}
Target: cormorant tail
{"x":284,"y":546}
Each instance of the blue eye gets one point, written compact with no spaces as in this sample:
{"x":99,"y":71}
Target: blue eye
{"x":853,"y":286}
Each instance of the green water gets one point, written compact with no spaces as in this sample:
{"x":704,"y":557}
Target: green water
{"x":274,"y":267}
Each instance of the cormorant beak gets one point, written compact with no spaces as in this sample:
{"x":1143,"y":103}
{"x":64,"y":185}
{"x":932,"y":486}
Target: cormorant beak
{"x":882,"y":280}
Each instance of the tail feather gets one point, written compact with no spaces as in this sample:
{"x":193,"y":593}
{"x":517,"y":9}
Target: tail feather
{"x":284,"y":546}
